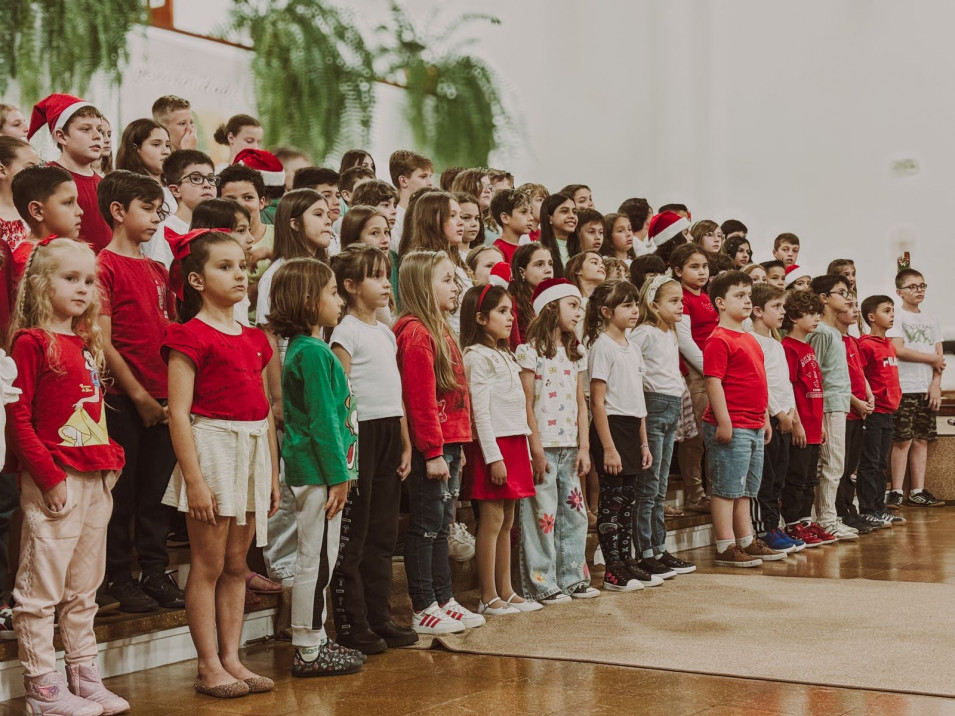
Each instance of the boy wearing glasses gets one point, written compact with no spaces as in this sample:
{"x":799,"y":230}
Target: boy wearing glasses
{"x":191,"y":179}
{"x":917,"y":337}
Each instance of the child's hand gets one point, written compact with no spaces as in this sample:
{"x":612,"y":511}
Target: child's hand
{"x":278,"y":417}
{"x":337,"y":494}
{"x":55,"y":497}
{"x":613,"y":465}
{"x":190,"y":140}
{"x":583,"y":461}
{"x":785,"y":424}
{"x":934,"y":397}
{"x":202,"y":503}
{"x":498,"y":473}
{"x":939,"y":363}
{"x":540,"y":467}
{"x":275,"y":497}
{"x":825,"y":438}
{"x":404,"y":465}
{"x":724,"y":433}
{"x":646,"y":457}
{"x":260,"y":254}
{"x":151,"y":412}
{"x":799,"y":436}
{"x":437,"y":469}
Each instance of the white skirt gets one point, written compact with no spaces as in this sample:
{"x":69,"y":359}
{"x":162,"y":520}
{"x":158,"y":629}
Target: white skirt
{"x":236,"y":464}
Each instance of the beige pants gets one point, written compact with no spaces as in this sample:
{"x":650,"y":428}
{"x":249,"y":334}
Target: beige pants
{"x":62,"y":563}
{"x":690,"y":451}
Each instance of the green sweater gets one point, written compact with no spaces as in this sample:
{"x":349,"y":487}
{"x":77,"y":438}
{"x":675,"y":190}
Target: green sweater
{"x":320,"y":446}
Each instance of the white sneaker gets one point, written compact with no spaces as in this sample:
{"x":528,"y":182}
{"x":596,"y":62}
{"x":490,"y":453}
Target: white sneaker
{"x":585,"y":591}
{"x":497,"y":611}
{"x":559,"y":598}
{"x":464,"y":615}
{"x":433,"y":620}
{"x":460,"y":543}
{"x":841,"y":532}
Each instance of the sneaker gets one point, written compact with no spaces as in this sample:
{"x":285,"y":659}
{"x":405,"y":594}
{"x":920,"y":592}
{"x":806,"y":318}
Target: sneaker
{"x":798,"y":531}
{"x":677,"y":565}
{"x":433,"y":620}
{"x":497,"y":607}
{"x":893,"y":500}
{"x":131,"y":597}
{"x":618,"y":579}
{"x":820,"y":534}
{"x":895,"y":519}
{"x":777,"y":540}
{"x":463,"y":614}
{"x":328,"y":662}
{"x":924,"y":499}
{"x":460,"y":543}
{"x":798,"y":544}
{"x":163,"y":588}
{"x":632,"y":566}
{"x":585,"y":591}
{"x":875,"y":521}
{"x":733,"y":556}
{"x":841,"y":532}
{"x":655,"y":566}
{"x":858,"y":523}
{"x":6,"y":622}
{"x":559,"y":598}
{"x":758,"y":548}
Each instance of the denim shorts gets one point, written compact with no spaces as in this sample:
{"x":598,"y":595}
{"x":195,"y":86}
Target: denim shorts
{"x":736,"y":467}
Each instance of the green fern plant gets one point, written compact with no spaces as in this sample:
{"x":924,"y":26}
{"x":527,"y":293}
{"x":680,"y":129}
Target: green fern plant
{"x":58,"y":45}
{"x":313,"y":74}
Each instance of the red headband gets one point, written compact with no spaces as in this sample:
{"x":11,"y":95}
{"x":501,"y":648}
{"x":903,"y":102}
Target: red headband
{"x":487,"y":287}
{"x":181,"y":243}
{"x":47,"y":240}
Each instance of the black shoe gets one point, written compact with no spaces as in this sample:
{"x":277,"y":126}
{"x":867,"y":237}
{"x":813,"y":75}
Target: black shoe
{"x":105,"y":603}
{"x":860,"y":523}
{"x":395,"y":635}
{"x":367,"y":642}
{"x":131,"y":597}
{"x":329,"y":662}
{"x":893,"y":500}
{"x":677,"y":565}
{"x":163,"y":588}
{"x":924,"y":499}
{"x":633,"y":568}
{"x":653,"y":566}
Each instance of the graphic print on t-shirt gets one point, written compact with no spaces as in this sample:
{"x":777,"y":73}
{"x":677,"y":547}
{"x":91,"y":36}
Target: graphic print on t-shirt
{"x":918,"y":333}
{"x":351,"y":422}
{"x":82,"y":429}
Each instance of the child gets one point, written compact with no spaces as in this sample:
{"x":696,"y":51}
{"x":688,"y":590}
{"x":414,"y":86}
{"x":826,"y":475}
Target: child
{"x":175,"y":114}
{"x":473,"y":223}
{"x":690,"y":266}
{"x":589,"y":235}
{"x":292,"y":160}
{"x":356,"y":158}
{"x":661,"y":308}
{"x":733,"y":228}
{"x":799,"y":278}
{"x":77,"y":128}
{"x":239,"y":133}
{"x":639,"y":212}
{"x":826,"y":342}
{"x":380,"y":195}
{"x":786,"y":249}
{"x":143,"y":148}
{"x":500,"y":179}
{"x":232,"y":216}
{"x":67,"y":465}
{"x":476,"y":183}
{"x":137,"y":308}
{"x":803,"y":310}
{"x":917,"y":338}
{"x":12,"y":123}
{"x":325,"y":182}
{"x":554,"y":520}
{"x":532,"y":264}
{"x":615,"y":269}
{"x":775,"y":273}
{"x":558,"y":223}
{"x":881,"y":368}
{"x":273,"y":178}
{"x":246,"y":186}
{"x":439,"y":421}
{"x":498,"y":466}
{"x":226,"y":479}
{"x":644,"y":268}
{"x":586,"y":271}
{"x":366,"y":225}
{"x":537,"y":194}
{"x":409,"y":172}
{"x":581,"y":195}
{"x":738,"y":249}
{"x":319,"y":450}
{"x":480,"y":260}
{"x":46,"y":197}
{"x":757,"y":273}
{"x":667,"y":230}
{"x":618,"y":434}
{"x":105,"y":164}
{"x":707,"y":235}
{"x":348,"y":180}
{"x":188,"y":174}
{"x":845,"y":268}
{"x":768,"y":316}
{"x":735,"y":423}
{"x":15,"y":156}
{"x":619,"y":243}
{"x":512,"y":211}
{"x":367,"y":351}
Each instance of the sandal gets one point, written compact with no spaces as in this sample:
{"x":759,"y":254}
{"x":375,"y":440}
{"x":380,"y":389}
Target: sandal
{"x":670,"y":511}
{"x":252,"y":600}
{"x":269,"y":588}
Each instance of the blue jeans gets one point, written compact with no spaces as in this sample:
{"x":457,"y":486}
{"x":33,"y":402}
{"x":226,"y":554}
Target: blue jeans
{"x":649,"y":527}
{"x":737,"y":466}
{"x":431,"y":503}
{"x":554,"y":530}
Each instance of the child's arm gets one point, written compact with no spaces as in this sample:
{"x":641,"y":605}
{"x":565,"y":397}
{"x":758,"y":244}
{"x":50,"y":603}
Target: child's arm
{"x":275,"y":494}
{"x":182,"y":378}
{"x":583,"y":429}
{"x":479,"y":375}
{"x":645,"y":454}
{"x":273,"y":382}
{"x":419,"y":386}
{"x":149,"y":409}
{"x":404,"y":467}
{"x":935,"y":391}
{"x":936,"y":359}
{"x":598,"y":393}
{"x":538,"y":460}
{"x":688,"y":349}
{"x":717,"y":398}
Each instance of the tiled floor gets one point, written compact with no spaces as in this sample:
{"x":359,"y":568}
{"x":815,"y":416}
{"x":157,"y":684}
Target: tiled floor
{"x":438,"y":682}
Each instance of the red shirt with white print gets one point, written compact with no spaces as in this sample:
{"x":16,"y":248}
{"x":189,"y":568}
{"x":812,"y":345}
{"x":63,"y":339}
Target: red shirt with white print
{"x":881,"y":367}
{"x":806,"y":377}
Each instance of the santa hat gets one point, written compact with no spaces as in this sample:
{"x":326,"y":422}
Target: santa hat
{"x":265,"y":163}
{"x":500,"y":275}
{"x":789,"y":269}
{"x":796,"y":272}
{"x":54,"y":111}
{"x":552,"y":289}
{"x":665,"y":225}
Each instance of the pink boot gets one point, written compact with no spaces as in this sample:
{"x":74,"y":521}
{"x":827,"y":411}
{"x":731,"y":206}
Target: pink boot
{"x":85,"y":682}
{"x":48,"y":694}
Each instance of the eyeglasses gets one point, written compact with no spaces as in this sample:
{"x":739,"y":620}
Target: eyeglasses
{"x":915,"y":287}
{"x":196,"y":178}
{"x":845,"y":294}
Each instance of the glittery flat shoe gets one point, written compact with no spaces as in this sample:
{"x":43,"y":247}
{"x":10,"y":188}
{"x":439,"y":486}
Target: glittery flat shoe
{"x":259,"y":684}
{"x":223,"y":691}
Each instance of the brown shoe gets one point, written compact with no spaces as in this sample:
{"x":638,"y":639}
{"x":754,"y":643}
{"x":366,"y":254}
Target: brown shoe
{"x":670,"y":511}
{"x":758,"y":548}
{"x":702,"y":505}
{"x":736,"y":557}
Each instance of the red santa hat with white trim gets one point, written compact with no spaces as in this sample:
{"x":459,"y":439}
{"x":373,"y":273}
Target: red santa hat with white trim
{"x":54,"y":111}
{"x":265,"y":163}
{"x":664,"y":226}
{"x":500,"y":275}
{"x":552,"y":289}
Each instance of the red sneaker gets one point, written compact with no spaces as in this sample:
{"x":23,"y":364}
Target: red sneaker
{"x":816,"y":529}
{"x":801,"y":532}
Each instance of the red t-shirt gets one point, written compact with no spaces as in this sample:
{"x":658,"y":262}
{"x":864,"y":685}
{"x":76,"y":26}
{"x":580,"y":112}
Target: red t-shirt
{"x":93,"y":227}
{"x":135,"y":295}
{"x":534,"y":235}
{"x":806,"y":378}
{"x":505,"y":248}
{"x":737,"y":360}
{"x":60,"y":419}
{"x":19,"y":256}
{"x":703,"y":316}
{"x":8,"y":288}
{"x":881,"y":367}
{"x":856,"y":373}
{"x":228,"y":383}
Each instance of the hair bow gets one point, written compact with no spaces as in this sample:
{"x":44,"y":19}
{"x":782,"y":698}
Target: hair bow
{"x":181,"y":244}
{"x":655,"y":283}
{"x":47,"y":240}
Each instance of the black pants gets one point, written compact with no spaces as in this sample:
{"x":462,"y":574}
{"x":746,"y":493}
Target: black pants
{"x":846,"y":493}
{"x":765,"y":508}
{"x":615,"y":516}
{"x":137,"y":496}
{"x":876,"y":448}
{"x":361,"y":583}
{"x":801,"y":481}
{"x":9,"y":502}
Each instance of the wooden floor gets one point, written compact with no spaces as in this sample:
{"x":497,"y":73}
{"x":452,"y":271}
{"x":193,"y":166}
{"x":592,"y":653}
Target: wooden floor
{"x":438,"y":682}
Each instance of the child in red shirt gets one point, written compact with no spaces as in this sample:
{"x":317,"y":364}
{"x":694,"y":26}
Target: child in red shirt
{"x":512,"y":210}
{"x":67,"y":465}
{"x":881,"y":368}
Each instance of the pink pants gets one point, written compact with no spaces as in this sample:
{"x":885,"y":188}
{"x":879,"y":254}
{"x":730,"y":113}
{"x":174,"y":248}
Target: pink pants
{"x":62,"y":563}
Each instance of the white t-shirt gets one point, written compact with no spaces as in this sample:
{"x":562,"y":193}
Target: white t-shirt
{"x":157,"y":248}
{"x":464,"y":281}
{"x":781,"y":398}
{"x":661,"y":355}
{"x":374,"y":367}
{"x":263,"y":305}
{"x":555,"y":393}
{"x":399,"y":225}
{"x":622,"y":369}
{"x":920,"y":332}
{"x":497,"y":397}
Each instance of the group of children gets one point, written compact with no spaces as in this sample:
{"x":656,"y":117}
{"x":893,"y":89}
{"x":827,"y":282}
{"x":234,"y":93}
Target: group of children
{"x":286,"y":353}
